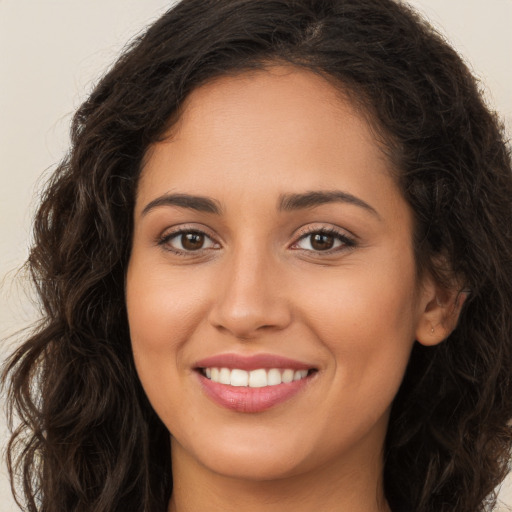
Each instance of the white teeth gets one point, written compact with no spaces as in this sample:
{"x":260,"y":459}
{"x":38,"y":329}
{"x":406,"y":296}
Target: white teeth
{"x":239,"y":378}
{"x":300,"y":374}
{"x":225,"y":376}
{"x":258,"y":378}
{"x":254,"y":379}
{"x":287,"y":376}
{"x":273,"y":377}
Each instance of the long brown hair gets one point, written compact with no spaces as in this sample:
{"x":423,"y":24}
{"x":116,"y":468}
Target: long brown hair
{"x":87,"y":439}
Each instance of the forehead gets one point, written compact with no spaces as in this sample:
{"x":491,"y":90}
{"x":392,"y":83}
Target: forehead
{"x":276,"y":98}
{"x":289,"y":87}
{"x":266,"y":133}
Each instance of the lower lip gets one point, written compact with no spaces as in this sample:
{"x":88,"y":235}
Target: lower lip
{"x":246,"y":399}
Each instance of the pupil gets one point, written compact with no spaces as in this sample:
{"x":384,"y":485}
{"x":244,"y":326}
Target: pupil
{"x":192,"y":241}
{"x":322,"y":242}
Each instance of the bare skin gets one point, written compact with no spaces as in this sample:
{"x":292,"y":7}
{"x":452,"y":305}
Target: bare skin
{"x":269,"y":222}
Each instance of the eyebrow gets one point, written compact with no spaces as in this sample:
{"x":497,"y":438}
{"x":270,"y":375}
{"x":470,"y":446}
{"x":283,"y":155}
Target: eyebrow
{"x":291,"y":202}
{"x":198,"y":203}
{"x":287,"y":202}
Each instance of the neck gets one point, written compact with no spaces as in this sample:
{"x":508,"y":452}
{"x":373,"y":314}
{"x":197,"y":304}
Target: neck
{"x":329,"y":489}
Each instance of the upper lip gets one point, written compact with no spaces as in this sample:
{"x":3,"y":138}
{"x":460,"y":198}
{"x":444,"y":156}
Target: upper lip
{"x":252,"y":362}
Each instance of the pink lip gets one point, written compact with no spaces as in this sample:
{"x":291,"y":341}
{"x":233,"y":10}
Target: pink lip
{"x":252,"y":362}
{"x":246,"y":399}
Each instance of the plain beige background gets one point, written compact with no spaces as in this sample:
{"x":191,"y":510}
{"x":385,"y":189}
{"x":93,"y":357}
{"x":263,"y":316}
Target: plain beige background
{"x":53,"y":51}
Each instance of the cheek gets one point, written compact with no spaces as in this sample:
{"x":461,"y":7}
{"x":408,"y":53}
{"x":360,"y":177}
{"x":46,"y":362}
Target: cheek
{"x":366,"y":318}
{"x":162,"y":308}
{"x":162,"y":315}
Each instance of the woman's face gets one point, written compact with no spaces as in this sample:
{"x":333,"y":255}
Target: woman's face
{"x":271,"y":243}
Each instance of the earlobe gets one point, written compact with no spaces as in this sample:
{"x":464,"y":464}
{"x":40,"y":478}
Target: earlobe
{"x":440,"y":313}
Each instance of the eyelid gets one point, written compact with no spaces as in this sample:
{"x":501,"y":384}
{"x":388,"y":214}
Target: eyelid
{"x":347,"y":239}
{"x":174,"y":231}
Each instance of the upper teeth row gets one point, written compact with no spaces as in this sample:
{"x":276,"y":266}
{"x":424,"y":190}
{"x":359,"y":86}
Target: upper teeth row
{"x":255,"y":378}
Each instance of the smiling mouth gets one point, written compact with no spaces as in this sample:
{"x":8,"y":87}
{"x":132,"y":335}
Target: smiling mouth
{"x":253,"y":390}
{"x":253,"y":383}
{"x":257,"y":378}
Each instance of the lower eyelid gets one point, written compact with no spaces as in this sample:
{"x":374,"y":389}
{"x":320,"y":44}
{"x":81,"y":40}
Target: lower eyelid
{"x":343,"y":238}
{"x":168,"y":237}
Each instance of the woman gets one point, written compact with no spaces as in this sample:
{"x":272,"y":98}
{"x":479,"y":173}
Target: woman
{"x":277,"y":274}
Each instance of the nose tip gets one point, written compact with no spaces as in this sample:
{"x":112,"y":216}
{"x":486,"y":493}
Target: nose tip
{"x":244,"y":322}
{"x":249,"y":303}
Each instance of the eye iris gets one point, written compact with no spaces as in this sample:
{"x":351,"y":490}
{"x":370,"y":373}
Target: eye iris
{"x":322,"y":241}
{"x":192,"y":241}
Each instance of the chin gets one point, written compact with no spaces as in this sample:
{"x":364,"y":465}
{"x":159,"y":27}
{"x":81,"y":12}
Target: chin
{"x":257,"y":457}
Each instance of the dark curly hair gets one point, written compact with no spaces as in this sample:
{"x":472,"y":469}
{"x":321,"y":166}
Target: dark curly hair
{"x":88,"y":439}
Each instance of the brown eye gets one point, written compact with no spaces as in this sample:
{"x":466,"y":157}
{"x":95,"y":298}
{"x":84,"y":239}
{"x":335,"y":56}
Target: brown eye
{"x":192,"y":241}
{"x":322,"y":241}
{"x":188,"y":241}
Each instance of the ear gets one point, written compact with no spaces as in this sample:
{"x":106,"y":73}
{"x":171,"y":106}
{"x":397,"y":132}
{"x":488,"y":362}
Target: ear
{"x":439,"y":312}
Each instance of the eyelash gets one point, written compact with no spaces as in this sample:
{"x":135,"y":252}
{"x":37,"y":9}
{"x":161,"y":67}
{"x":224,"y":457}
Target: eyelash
{"x":165,"y":240}
{"x":346,"y":242}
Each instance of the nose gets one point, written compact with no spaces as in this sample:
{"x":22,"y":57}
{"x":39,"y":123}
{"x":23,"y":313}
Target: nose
{"x":250,"y":299}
